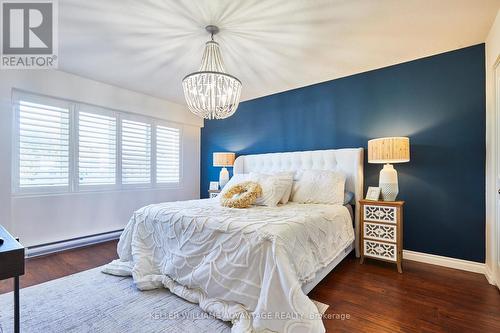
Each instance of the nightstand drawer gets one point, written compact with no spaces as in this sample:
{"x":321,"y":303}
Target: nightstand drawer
{"x":386,"y":214}
{"x":380,"y":232}
{"x":380,"y":250}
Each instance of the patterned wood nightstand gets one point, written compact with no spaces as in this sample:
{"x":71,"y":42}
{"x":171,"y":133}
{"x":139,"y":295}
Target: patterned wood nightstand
{"x":213,"y":193}
{"x":382,"y":231}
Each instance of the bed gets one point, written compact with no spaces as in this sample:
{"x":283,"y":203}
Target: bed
{"x":253,"y":267}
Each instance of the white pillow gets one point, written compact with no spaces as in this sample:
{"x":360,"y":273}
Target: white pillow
{"x":273,"y":188}
{"x":319,"y":186}
{"x":286,"y":179}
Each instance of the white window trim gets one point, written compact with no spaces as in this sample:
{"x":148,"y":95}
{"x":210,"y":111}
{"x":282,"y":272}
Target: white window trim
{"x":16,"y":188}
{"x":74,"y":187}
{"x":73,"y":146}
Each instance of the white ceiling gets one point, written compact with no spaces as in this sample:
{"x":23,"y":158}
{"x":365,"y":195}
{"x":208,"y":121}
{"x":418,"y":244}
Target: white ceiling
{"x":270,"y":45}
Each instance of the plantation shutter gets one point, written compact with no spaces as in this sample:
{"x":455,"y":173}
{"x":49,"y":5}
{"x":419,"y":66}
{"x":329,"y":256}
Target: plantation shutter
{"x":97,"y":149}
{"x":60,"y":146}
{"x":136,"y":152}
{"x":43,"y":145}
{"x":167,"y":154}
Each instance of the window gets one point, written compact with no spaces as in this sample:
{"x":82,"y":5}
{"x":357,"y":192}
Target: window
{"x":167,"y":154}
{"x":63,"y":146}
{"x":136,"y":152}
{"x":96,"y":149}
{"x":43,"y":145}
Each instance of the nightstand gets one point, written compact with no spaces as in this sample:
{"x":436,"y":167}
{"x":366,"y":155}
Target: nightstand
{"x":382,"y":231}
{"x":12,"y":266}
{"x":213,"y":193}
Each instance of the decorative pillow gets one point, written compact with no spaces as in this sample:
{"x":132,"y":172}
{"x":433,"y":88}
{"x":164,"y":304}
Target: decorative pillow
{"x":241,"y":195}
{"x":273,"y":188}
{"x":319,"y":186}
{"x":236,"y":179}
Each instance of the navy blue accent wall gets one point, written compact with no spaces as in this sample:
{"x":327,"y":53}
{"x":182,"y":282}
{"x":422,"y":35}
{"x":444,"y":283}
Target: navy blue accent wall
{"x":439,"y":102}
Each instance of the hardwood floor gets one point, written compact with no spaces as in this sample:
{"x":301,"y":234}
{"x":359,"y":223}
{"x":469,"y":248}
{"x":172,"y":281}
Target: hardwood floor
{"x":54,"y":266}
{"x":425,"y":298}
{"x":372,"y":297}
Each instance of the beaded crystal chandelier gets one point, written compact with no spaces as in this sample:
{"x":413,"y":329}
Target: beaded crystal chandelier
{"x":211,"y":93}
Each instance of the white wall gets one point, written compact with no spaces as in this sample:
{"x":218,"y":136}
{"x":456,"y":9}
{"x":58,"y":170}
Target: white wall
{"x":50,"y":218}
{"x":492,"y":148}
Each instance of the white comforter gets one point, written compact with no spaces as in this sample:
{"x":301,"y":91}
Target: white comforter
{"x":241,"y":265}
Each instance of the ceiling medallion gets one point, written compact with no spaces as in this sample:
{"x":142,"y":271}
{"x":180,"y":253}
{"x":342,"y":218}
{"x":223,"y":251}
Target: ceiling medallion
{"x":210,"y":92}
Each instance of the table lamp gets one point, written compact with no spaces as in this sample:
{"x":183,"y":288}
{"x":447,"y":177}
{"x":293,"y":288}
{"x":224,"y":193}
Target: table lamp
{"x":387,"y":151}
{"x":223,"y":160}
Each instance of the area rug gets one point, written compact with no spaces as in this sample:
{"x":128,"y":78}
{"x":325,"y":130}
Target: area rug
{"x":91,"y":301}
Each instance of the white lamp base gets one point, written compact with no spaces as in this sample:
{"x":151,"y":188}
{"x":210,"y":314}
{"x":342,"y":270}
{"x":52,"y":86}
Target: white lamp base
{"x":223,"y":177}
{"x":388,"y":183}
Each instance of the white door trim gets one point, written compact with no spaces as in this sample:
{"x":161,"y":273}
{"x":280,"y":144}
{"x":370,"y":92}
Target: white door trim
{"x":493,"y":272}
{"x":492,"y":172}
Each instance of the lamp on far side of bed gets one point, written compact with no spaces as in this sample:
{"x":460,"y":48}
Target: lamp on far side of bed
{"x":223,"y":160}
{"x":388,"y":151}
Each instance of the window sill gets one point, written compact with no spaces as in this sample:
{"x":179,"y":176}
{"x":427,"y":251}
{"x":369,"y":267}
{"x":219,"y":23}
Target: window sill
{"x":172,"y":187}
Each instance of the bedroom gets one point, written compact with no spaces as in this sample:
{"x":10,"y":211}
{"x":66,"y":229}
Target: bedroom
{"x":361,"y":137}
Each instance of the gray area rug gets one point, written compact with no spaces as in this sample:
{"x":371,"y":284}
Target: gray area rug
{"x":91,"y":301}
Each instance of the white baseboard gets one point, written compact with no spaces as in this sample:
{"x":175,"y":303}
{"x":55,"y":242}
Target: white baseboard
{"x":464,"y":265}
{"x":40,"y":250}
{"x":489,"y":276}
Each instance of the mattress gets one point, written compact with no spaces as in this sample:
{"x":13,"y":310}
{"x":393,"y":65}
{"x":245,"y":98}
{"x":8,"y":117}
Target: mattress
{"x":241,"y":265}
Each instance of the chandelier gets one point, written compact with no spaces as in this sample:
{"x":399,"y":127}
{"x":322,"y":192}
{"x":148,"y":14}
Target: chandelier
{"x":211,"y":93}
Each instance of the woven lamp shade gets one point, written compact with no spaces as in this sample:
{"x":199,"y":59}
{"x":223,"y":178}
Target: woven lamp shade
{"x":389,"y":150}
{"x":223,"y":159}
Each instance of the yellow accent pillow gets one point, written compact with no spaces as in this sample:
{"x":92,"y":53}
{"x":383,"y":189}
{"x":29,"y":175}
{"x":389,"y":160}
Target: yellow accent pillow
{"x":241,"y":195}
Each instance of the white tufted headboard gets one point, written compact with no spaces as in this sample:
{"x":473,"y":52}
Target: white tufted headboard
{"x":349,"y":161}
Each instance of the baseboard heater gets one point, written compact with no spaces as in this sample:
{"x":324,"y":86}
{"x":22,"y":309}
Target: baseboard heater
{"x":48,"y":248}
